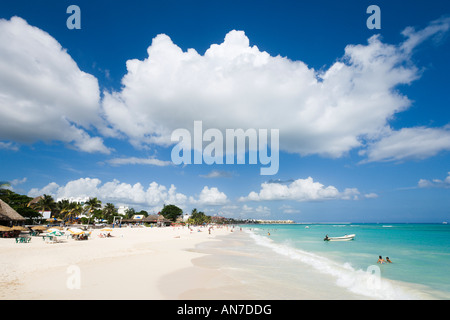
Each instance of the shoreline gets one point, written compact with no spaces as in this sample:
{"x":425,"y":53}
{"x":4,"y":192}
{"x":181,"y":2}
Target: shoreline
{"x":252,"y":272}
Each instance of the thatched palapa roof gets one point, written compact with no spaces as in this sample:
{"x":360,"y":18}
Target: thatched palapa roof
{"x":156,"y":218}
{"x":9,"y":214}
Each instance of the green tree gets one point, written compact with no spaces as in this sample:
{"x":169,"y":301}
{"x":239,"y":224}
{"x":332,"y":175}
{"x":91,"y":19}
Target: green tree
{"x":62,"y":206}
{"x":4,"y":193}
{"x":199,"y":217}
{"x":73,"y":210}
{"x":143,"y":213}
{"x":109,"y":211}
{"x":46,"y":203}
{"x":129,"y":213}
{"x":171,"y":212}
{"x":91,"y":205}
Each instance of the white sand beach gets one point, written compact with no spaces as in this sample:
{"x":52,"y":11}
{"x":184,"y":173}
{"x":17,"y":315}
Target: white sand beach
{"x":136,"y":263}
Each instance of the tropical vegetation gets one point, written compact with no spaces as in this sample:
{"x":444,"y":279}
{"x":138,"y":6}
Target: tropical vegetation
{"x":171,"y":212}
{"x":198,"y":218}
{"x":91,"y":210}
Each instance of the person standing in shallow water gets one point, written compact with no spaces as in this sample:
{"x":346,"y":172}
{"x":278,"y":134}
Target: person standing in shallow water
{"x":381,"y":260}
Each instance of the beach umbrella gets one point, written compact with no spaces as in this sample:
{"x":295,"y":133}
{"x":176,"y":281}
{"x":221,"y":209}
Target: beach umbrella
{"x":39,"y":228}
{"x":4,"y":228}
{"x":19,"y":228}
{"x":55,"y":233}
{"x":54,"y":229}
{"x":76,"y":231}
{"x":106,"y":229}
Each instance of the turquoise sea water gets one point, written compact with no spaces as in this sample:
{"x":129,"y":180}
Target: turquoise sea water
{"x":420,"y":254}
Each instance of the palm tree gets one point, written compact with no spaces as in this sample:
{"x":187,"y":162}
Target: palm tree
{"x":73,"y":210}
{"x":46,"y":203}
{"x":108,"y":211}
{"x":91,"y":205}
{"x":63,"y":206}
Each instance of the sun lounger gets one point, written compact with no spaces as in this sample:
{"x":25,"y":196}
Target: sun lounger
{"x":23,"y":239}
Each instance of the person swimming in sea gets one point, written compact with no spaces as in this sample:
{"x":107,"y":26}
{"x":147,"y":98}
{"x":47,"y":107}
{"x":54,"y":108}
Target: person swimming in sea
{"x":381,"y":260}
{"x":388,"y":260}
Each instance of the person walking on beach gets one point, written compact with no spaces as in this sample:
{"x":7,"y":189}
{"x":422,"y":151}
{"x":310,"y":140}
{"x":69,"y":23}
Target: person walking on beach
{"x":381,"y":260}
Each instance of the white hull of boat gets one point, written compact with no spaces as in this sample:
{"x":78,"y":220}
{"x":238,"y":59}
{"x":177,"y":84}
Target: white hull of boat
{"x":344,"y":238}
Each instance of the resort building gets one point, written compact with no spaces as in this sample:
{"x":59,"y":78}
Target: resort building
{"x":122,"y":210}
{"x":81,"y":200}
{"x":155,"y":219}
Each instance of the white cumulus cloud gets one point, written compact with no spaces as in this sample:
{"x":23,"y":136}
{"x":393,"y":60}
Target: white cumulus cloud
{"x":143,"y":161}
{"x":236,"y":85}
{"x":210,"y":196}
{"x":409,"y":143}
{"x":43,"y":94}
{"x":300,"y":190}
{"x":152,"y":196}
{"x":435,"y":183}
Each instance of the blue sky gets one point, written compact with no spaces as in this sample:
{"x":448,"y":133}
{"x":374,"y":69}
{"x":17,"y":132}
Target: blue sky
{"x":363,"y":114}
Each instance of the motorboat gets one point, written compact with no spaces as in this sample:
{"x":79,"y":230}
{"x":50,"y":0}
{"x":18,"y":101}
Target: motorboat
{"x":343,"y":238}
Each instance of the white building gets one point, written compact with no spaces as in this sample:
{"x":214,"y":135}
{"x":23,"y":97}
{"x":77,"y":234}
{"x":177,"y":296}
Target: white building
{"x":122,"y":209}
{"x":81,"y":200}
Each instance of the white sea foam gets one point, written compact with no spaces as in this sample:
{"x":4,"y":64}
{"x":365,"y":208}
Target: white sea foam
{"x":368,"y":283}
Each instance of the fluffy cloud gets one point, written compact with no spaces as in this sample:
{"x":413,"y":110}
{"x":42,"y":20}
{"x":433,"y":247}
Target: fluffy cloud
{"x":409,"y":143}
{"x":260,"y":211}
{"x":300,"y":190}
{"x":43,"y":94}
{"x":8,"y":146}
{"x":245,"y":211}
{"x":143,"y":161}
{"x":435,"y":183}
{"x":236,"y":85}
{"x":153,"y":196}
{"x":211,"y":197}
{"x":218,"y":174}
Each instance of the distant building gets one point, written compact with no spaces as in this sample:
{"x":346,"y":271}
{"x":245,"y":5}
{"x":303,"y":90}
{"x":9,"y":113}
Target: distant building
{"x":81,"y":200}
{"x":122,"y":209}
{"x":218,"y":219}
{"x":275,"y":221}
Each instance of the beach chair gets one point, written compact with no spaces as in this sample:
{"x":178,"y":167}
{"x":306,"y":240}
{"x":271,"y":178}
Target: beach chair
{"x":23,"y":239}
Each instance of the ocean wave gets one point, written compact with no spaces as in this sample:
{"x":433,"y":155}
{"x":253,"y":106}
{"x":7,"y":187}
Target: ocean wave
{"x":368,"y":282}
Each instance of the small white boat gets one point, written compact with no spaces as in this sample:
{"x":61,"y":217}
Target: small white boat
{"x":344,"y":238}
